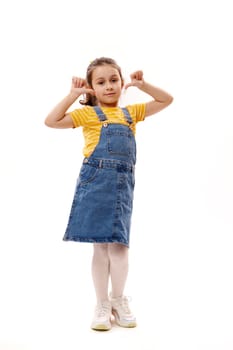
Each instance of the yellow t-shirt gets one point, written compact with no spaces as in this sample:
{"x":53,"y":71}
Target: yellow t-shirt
{"x":88,"y":119}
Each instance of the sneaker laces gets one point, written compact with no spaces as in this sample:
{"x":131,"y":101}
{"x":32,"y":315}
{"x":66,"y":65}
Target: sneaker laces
{"x":123,"y":303}
{"x":102,"y":309}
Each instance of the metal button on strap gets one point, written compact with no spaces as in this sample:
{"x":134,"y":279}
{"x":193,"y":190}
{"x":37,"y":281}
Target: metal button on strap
{"x":105,"y":125}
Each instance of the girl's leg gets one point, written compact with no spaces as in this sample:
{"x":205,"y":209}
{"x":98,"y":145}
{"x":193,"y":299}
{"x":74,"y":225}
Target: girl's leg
{"x":100,"y":270}
{"x":100,"y":274}
{"x":118,"y":258}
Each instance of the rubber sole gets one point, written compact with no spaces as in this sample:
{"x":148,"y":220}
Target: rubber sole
{"x":101,"y":327}
{"x":125,"y":325}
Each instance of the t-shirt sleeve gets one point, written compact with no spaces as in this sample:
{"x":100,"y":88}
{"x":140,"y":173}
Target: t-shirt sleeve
{"x":137,"y":111}
{"x":80,"y":116}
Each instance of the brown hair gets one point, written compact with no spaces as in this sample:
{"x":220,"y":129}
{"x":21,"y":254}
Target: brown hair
{"x":91,"y":100}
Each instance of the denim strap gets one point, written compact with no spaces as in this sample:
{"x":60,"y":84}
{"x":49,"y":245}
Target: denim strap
{"x":102,"y":117}
{"x":127,"y":115}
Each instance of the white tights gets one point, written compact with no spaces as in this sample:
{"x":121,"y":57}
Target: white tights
{"x":110,"y":261}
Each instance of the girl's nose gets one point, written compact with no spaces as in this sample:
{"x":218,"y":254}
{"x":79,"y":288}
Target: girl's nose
{"x":109,"y":86}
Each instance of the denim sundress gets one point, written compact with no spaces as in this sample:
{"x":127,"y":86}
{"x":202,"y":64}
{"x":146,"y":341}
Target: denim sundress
{"x":103,"y":200}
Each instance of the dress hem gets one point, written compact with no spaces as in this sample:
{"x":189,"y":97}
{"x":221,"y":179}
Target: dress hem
{"x":91,"y":240}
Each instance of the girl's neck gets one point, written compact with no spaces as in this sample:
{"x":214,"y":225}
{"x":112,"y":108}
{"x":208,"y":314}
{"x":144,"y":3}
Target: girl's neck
{"x":104,"y":105}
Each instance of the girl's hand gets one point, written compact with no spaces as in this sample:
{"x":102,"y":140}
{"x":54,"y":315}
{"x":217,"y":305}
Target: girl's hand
{"x":136,"y":79}
{"x":79,"y":86}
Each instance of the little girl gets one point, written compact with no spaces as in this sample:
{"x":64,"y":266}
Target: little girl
{"x":103,"y":200}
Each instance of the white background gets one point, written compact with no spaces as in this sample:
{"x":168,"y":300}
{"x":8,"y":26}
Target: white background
{"x":181,"y":241}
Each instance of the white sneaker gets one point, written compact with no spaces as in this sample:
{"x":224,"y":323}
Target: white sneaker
{"x":101,"y":320}
{"x":122,"y":312}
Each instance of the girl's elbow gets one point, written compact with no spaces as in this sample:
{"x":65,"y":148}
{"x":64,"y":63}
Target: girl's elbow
{"x":170,"y":100}
{"x":48,"y":123}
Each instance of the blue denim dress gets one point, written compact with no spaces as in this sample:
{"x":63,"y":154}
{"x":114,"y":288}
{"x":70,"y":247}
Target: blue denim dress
{"x":103,"y":200}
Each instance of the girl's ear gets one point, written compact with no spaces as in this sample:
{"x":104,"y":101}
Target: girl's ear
{"x":122,"y":83}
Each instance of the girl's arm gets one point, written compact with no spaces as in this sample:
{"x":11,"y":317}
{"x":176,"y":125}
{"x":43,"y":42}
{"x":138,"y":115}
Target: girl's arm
{"x":161,"y":98}
{"x":58,"y":117}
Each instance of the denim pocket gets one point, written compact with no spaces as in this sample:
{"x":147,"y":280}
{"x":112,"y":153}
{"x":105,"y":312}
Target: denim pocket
{"x":119,"y":142}
{"x":87,"y":173}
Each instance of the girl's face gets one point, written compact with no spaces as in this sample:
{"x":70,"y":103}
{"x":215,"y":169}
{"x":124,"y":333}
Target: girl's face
{"x":107,"y":84}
